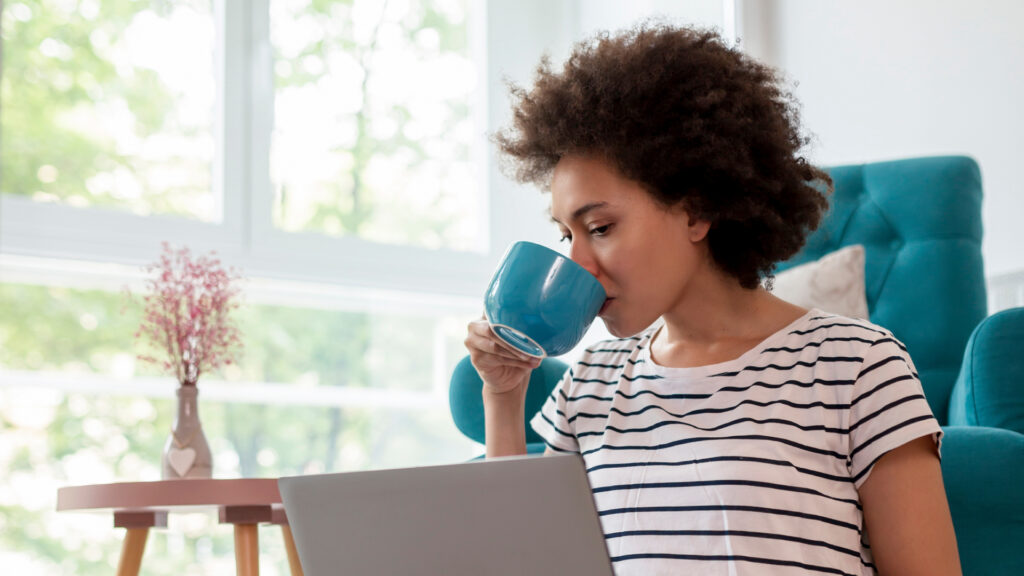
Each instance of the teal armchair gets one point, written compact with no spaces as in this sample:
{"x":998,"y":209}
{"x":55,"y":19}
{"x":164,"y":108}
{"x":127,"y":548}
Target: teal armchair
{"x":983,"y":450}
{"x":919,"y":221}
{"x":467,"y":406}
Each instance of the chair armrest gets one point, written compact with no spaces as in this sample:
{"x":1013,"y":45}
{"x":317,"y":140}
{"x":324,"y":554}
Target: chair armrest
{"x":990,"y":388}
{"x":981,"y":468}
{"x":467,"y":405}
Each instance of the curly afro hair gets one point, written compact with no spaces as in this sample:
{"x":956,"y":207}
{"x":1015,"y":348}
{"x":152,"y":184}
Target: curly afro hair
{"x":696,"y":123}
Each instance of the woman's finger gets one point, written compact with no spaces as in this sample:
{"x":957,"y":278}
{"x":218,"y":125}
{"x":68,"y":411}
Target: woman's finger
{"x":482,"y":331}
{"x":493,"y":349}
{"x":490,"y":345}
{"x":486,"y":363}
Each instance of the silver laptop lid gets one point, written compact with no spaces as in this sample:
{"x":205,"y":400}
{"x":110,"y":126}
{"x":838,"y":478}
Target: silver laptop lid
{"x":506,"y":516}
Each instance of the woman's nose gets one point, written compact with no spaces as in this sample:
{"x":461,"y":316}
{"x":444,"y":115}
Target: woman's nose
{"x":580,"y":255}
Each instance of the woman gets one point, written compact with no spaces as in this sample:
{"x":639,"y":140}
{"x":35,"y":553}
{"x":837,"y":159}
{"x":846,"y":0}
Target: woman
{"x":726,"y":431}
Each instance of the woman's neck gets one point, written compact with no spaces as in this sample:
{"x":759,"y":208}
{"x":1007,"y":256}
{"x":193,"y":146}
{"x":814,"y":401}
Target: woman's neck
{"x":718,"y":320}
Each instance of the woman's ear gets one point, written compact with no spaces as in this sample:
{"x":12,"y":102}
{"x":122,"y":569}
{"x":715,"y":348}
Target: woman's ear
{"x":698,"y":229}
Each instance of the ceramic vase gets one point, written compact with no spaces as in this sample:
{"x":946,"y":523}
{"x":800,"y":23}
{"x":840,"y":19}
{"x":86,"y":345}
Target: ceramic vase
{"x":186,"y":452}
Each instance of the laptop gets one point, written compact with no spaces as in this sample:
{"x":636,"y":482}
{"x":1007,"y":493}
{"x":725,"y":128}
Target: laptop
{"x":505,"y":516}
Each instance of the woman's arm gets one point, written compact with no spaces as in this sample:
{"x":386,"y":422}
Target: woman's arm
{"x":504,"y":421}
{"x":907,"y":515}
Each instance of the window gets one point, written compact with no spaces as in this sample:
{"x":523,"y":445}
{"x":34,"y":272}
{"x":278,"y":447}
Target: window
{"x":286,"y":135}
{"x":222,"y":125}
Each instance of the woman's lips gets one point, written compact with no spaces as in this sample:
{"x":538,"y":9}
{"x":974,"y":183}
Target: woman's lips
{"x":605,"y":306}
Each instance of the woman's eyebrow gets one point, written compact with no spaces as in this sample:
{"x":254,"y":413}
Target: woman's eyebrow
{"x":576,"y":215}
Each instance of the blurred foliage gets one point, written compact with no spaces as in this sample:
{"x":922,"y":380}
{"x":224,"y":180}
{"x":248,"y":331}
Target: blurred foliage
{"x":348,"y":204}
{"x":59,"y":89}
{"x":80,"y":122}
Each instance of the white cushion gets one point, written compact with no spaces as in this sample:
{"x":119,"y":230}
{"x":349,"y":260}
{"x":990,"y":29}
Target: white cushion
{"x":833,"y":283}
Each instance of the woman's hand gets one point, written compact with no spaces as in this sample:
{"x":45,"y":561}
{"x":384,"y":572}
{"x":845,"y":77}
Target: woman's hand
{"x":502,"y":368}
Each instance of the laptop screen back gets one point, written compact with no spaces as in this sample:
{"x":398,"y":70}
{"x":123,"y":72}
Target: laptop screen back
{"x":506,"y":516}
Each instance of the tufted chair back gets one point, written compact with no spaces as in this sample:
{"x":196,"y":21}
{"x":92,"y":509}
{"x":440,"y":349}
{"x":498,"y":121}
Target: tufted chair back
{"x":919,"y":221}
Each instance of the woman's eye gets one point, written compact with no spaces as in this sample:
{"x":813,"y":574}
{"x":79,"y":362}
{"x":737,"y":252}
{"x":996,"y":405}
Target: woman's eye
{"x":565,"y":237}
{"x":600,"y":230}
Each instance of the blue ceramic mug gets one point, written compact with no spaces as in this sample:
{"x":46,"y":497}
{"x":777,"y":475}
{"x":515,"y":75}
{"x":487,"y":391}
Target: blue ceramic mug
{"x":541,"y":302}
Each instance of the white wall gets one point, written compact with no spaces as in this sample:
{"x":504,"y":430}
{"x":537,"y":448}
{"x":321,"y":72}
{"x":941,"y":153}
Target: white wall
{"x":881,"y":80}
{"x":595,"y":15}
{"x":518,"y":34}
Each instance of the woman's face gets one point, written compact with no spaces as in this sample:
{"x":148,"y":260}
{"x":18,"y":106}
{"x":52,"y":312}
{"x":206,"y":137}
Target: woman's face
{"x":643,"y":255}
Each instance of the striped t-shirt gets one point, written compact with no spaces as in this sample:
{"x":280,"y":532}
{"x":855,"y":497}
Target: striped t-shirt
{"x":749,"y":466}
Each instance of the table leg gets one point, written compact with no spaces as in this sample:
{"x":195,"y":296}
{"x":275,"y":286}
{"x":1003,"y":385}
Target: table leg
{"x":293,"y":554}
{"x":131,"y":551}
{"x":247,"y":550}
{"x":137,"y":524}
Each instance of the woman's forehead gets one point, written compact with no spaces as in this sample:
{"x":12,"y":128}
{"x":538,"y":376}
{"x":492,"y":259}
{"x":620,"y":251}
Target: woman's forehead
{"x":581,"y":180}
{"x":575,"y":170}
{"x":582,"y":186}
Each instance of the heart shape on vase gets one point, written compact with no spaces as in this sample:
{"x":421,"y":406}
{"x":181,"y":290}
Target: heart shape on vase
{"x":181,"y":459}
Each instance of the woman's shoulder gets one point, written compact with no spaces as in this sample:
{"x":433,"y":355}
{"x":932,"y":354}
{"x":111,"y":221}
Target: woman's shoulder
{"x":835,"y":325}
{"x":831,"y":334}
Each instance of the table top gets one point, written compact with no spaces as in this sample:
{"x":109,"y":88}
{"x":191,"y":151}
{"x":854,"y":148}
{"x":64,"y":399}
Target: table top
{"x":170,"y":494}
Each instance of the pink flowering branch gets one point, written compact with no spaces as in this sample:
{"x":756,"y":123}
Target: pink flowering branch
{"x":188,"y":314}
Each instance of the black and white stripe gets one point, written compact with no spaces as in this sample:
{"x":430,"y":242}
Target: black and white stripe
{"x":746,"y":466}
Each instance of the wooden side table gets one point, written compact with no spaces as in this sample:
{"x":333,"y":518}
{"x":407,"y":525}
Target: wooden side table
{"x":139,"y":506}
